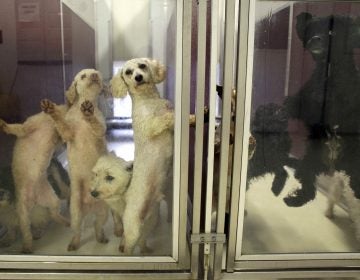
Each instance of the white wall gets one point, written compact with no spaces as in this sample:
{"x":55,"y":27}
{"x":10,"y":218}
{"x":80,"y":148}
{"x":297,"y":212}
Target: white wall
{"x":84,"y":9}
{"x":131,"y":29}
{"x":8,"y":51}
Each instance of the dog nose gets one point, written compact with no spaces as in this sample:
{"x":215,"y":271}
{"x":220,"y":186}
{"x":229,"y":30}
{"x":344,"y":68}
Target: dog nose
{"x":138,"y":78}
{"x":94,"y":77}
{"x":95,"y":193}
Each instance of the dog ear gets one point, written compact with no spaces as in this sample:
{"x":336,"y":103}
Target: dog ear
{"x":71,"y":94}
{"x":118,"y":87}
{"x":158,"y":71}
{"x":301,"y":24}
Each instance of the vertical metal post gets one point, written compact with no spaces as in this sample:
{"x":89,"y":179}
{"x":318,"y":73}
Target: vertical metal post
{"x":214,"y":58}
{"x":185,"y":112}
{"x":239,"y":129}
{"x":199,"y":135}
{"x":225,"y":132}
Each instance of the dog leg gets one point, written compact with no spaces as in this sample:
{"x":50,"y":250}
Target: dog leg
{"x":52,"y":202}
{"x":144,"y":249}
{"x":98,"y":128}
{"x":118,"y":226}
{"x":311,"y":165}
{"x":132,"y":226}
{"x":101,"y":218}
{"x":23,"y":210}
{"x":279,"y":181}
{"x":76,"y":216}
{"x":156,"y":125}
{"x":57,"y":115}
{"x":148,"y":228}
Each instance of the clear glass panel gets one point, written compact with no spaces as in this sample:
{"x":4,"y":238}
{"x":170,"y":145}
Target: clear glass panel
{"x":302,"y":176}
{"x":43,"y":46}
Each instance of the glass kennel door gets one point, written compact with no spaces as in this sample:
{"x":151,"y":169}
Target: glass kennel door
{"x":295,"y":192}
{"x":47,"y":43}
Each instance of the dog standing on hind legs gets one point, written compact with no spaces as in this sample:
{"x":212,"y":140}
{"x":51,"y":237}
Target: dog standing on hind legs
{"x":34,"y":147}
{"x":153,"y":124}
{"x":83,"y":129}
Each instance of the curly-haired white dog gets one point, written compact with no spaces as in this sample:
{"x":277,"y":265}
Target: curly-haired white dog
{"x":153,"y":124}
{"x":83,"y":129}
{"x":339,"y":190}
{"x":111,"y":179}
{"x":36,"y":141}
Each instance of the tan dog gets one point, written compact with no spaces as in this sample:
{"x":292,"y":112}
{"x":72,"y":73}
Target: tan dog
{"x":83,"y":129}
{"x":153,"y":124}
{"x":111,"y":179}
{"x":36,"y":141}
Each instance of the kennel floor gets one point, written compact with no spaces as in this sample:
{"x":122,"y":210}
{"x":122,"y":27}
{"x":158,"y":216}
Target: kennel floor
{"x":271,"y":227}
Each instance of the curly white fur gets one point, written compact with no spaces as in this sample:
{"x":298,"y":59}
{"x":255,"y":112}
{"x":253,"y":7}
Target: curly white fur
{"x":36,"y":141}
{"x":338,"y":187}
{"x":153,"y":124}
{"x":83,"y":129}
{"x":111,"y":178}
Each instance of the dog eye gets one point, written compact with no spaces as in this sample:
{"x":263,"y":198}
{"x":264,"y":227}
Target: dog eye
{"x":128,"y":72}
{"x":109,"y":178}
{"x":83,"y":76}
{"x":142,"y":66}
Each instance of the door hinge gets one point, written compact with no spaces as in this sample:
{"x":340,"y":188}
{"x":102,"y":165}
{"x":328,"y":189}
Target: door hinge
{"x":203,"y":238}
{"x":207,"y":239}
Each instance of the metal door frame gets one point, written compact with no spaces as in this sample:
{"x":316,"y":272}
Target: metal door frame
{"x":55,"y":267}
{"x":269,"y":265}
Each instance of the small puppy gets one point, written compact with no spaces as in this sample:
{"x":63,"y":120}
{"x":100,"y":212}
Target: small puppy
{"x":83,"y":129}
{"x":36,"y":141}
{"x":153,"y":125}
{"x":339,"y":190}
{"x":111,"y":179}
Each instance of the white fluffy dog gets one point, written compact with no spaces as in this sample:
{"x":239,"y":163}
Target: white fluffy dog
{"x":111,"y":179}
{"x":153,"y":125}
{"x":36,"y":141}
{"x":339,"y":190}
{"x":83,"y":129}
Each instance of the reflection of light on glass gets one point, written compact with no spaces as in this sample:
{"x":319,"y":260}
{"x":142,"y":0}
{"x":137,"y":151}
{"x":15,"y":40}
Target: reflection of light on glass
{"x":122,"y":106}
